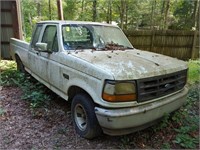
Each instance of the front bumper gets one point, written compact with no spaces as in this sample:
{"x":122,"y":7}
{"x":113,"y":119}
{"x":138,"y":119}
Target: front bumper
{"x":126,"y":120}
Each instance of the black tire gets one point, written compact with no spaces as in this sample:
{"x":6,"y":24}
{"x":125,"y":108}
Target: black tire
{"x":20,"y":66}
{"x":84,"y":117}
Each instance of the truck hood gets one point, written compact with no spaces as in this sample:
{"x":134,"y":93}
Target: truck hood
{"x":132,"y":64}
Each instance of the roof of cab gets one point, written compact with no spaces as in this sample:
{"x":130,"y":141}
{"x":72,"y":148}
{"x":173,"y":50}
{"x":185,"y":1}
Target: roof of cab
{"x":72,"y":22}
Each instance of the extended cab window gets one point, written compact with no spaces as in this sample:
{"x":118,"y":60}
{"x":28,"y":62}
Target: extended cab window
{"x":76,"y":36}
{"x":36,"y":35}
{"x":50,"y":37}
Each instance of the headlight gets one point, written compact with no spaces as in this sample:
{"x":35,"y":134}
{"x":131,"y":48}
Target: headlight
{"x":119,"y":91}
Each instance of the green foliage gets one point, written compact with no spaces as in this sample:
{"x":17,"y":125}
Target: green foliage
{"x":5,"y":65}
{"x":179,"y":116}
{"x":34,"y":11}
{"x":33,"y":91}
{"x":183,"y":14}
{"x":163,"y":124}
{"x":188,"y":121}
{"x":186,"y":129}
{"x":2,"y":111}
{"x":125,"y":142}
{"x":136,"y":14}
{"x":166,"y":146}
{"x":186,"y":141}
{"x":194,"y":71}
{"x":9,"y":76}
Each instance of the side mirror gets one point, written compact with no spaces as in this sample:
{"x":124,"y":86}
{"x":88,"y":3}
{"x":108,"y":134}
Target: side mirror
{"x":41,"y":47}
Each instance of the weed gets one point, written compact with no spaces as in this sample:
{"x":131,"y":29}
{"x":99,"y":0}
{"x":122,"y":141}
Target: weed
{"x":163,"y":124}
{"x":32,"y":89}
{"x":193,"y":94}
{"x":189,"y":121}
{"x":166,"y":146}
{"x":2,"y":111}
{"x":11,"y":78}
{"x":186,"y":140}
{"x":125,"y":142}
{"x":35,"y":93}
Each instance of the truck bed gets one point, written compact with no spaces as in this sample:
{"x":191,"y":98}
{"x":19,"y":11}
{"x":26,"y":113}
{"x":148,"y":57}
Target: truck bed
{"x":20,"y":48}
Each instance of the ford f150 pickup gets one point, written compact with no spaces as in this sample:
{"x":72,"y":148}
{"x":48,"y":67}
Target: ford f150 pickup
{"x":112,"y":86}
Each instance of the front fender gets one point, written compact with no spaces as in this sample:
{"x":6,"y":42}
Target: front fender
{"x":94,"y":89}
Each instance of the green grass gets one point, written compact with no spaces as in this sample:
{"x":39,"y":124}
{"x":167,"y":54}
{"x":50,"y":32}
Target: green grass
{"x":6,"y":65}
{"x":194,"y":71}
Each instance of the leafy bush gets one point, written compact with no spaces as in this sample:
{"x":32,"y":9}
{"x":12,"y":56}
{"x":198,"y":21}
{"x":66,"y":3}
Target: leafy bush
{"x":33,"y":91}
{"x":186,"y":141}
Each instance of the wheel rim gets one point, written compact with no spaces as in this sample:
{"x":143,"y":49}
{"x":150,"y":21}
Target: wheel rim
{"x":80,"y":117}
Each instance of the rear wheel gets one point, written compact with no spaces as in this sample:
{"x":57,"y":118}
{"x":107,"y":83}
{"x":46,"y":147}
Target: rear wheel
{"x":84,"y":118}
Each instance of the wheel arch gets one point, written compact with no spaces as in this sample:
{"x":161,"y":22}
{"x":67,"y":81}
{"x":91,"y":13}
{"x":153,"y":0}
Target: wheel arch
{"x":74,"y":90}
{"x":17,"y":56}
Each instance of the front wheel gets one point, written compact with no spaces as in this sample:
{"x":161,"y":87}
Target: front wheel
{"x":84,"y":118}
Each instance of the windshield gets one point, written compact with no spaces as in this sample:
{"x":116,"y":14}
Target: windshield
{"x":96,"y":37}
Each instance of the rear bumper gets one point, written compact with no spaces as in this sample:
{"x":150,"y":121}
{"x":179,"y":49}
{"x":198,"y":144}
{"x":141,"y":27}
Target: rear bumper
{"x":127,"y":120}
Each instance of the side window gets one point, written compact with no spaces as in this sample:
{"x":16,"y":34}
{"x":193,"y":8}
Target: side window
{"x":50,"y":37}
{"x":36,"y":35}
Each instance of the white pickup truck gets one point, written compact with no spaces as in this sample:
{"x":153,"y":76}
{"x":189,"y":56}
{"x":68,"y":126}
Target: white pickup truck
{"x":113,"y":87}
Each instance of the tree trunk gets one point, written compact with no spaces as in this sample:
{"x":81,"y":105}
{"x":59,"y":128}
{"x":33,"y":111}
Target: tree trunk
{"x":162,"y":14}
{"x":195,"y":14}
{"x":39,"y":9}
{"x":60,"y":10}
{"x":49,"y":9}
{"x":109,"y":12}
{"x":82,"y":9}
{"x":126,"y":17}
{"x":166,"y":14}
{"x":122,"y":13}
{"x":94,"y":18}
{"x":30,"y":20}
{"x":198,"y":16}
{"x":152,"y":14}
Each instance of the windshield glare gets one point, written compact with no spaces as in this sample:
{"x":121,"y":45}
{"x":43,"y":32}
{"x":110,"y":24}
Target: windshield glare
{"x":96,"y":37}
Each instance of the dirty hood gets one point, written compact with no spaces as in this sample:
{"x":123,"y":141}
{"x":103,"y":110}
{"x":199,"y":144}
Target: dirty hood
{"x":132,"y":64}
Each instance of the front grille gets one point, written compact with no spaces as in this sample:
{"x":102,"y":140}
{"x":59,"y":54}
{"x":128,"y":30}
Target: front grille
{"x":150,"y":88}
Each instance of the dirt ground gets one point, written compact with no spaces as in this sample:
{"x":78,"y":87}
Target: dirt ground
{"x":51,"y":128}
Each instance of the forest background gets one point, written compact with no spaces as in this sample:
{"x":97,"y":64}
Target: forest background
{"x":128,"y":14}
